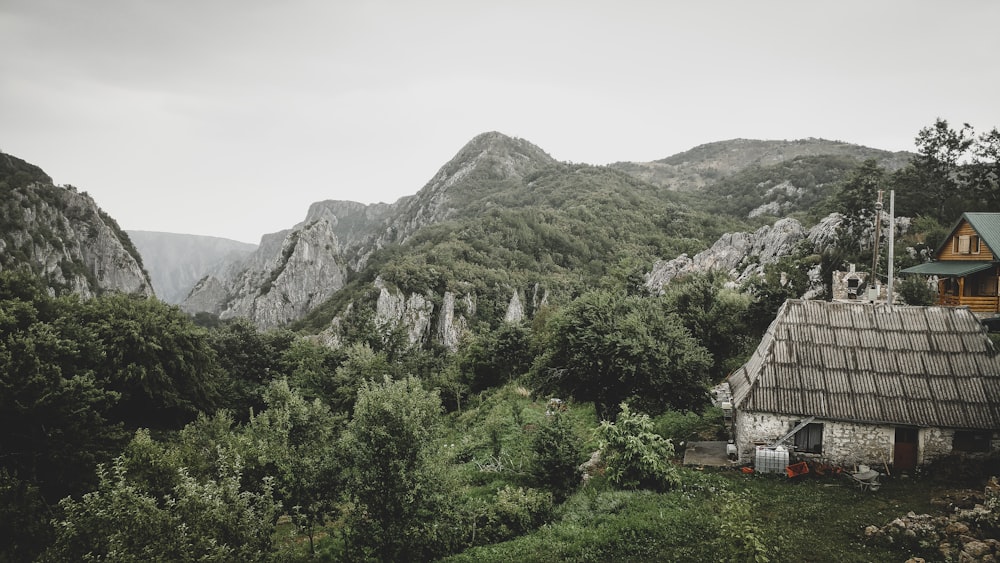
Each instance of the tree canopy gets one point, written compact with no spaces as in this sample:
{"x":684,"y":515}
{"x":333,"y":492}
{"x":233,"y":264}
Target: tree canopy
{"x":607,"y":347}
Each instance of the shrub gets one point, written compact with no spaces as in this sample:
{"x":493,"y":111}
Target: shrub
{"x":915,"y":291}
{"x":514,"y":512}
{"x":636,"y":456}
{"x":558,"y":454}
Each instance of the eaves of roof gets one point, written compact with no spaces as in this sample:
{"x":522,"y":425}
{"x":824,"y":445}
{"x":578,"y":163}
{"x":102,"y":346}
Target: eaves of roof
{"x":948,"y":268}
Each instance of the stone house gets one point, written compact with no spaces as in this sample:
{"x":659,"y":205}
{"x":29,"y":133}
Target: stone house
{"x":866,"y":383}
{"x":966,"y":264}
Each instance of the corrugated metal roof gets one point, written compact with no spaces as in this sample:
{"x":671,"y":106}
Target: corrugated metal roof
{"x":948,"y":268}
{"x":924,"y":366}
{"x":988,"y":227}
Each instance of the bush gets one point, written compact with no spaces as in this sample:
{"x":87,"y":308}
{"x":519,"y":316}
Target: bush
{"x":636,"y":456}
{"x":558,"y":454}
{"x":514,"y":512}
{"x":915,"y":291}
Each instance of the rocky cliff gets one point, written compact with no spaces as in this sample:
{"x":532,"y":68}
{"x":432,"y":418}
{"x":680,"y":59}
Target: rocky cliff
{"x":289,"y":273}
{"x":505,"y":215}
{"x":743,"y":255}
{"x":63,"y":235}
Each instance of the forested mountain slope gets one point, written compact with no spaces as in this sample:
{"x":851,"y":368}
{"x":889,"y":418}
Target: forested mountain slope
{"x":703,"y":166}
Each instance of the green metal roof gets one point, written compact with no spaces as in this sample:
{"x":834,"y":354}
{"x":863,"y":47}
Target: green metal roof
{"x":948,"y":268}
{"x":987,"y":225}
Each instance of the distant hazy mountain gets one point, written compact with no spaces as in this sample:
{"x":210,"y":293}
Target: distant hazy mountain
{"x":175,"y":262}
{"x":63,"y":236}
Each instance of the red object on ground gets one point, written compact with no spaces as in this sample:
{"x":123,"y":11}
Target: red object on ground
{"x":746,"y":469}
{"x":796,"y":469}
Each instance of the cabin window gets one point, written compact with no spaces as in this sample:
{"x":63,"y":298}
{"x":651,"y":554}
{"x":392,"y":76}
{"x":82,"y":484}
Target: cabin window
{"x":971,"y":441}
{"x":963,"y":243}
{"x":810,"y":438}
{"x":968,"y":244}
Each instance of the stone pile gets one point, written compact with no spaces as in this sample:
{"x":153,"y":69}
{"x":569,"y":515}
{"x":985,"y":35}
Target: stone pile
{"x":964,"y":535}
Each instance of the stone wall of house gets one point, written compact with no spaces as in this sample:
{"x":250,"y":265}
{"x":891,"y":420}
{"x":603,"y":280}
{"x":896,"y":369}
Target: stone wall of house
{"x":851,"y":443}
{"x":934,"y":443}
{"x":844,"y":443}
{"x":751,"y":428}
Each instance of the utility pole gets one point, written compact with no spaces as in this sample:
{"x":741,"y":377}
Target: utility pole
{"x":873,"y":289}
{"x":892,"y":244}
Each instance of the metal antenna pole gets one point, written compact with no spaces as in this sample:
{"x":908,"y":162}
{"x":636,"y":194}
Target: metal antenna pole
{"x":875,"y":250}
{"x":892,"y":242}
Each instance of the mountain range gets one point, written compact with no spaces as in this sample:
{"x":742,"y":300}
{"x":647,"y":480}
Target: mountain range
{"x":500,"y":230}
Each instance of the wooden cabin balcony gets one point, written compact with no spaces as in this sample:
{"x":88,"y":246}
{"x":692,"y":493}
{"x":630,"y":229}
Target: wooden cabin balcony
{"x":976,"y":304}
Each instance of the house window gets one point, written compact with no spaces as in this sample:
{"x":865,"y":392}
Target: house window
{"x":964,"y":243}
{"x":968,"y":244}
{"x":971,"y":441}
{"x":810,"y":438}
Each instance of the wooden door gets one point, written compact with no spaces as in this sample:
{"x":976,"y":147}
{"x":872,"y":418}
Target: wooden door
{"x":904,"y":455}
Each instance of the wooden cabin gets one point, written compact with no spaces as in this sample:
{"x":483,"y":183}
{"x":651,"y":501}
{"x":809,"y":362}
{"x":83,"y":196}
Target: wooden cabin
{"x":967,"y":268}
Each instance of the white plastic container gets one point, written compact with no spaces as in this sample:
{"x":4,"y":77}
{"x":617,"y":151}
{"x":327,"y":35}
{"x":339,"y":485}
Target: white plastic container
{"x":771,"y":460}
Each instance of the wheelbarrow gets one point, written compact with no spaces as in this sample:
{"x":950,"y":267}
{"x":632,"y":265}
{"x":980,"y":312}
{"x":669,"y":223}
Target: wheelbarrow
{"x":866,"y":478}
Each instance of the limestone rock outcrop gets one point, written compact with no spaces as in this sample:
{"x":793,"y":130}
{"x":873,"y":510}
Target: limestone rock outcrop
{"x":62,"y":235}
{"x":290,"y":273}
{"x":741,"y":255}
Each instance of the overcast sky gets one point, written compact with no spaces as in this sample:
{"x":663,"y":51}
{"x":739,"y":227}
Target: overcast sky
{"x":229,"y":117}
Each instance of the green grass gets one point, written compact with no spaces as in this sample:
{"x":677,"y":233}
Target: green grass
{"x":806,"y":519}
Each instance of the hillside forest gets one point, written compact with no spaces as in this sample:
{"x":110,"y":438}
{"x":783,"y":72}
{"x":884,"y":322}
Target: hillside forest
{"x":132,"y":431}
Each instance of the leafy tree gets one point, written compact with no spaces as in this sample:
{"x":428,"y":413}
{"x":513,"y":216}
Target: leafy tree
{"x":558,"y":455}
{"x":636,"y":456}
{"x":54,"y":412}
{"x":251,"y":359}
{"x":452,"y":385}
{"x":607,"y":348}
{"x":155,"y":358}
{"x":932,"y":183}
{"x":360,"y":364}
{"x":24,"y":516}
{"x":855,"y":200}
{"x":498,"y":356}
{"x":203,"y":520}
{"x":984,"y":173}
{"x":398,"y":500}
{"x":715,"y":315}
{"x":311,"y":367}
{"x":296,"y":441}
{"x":913,"y":290}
